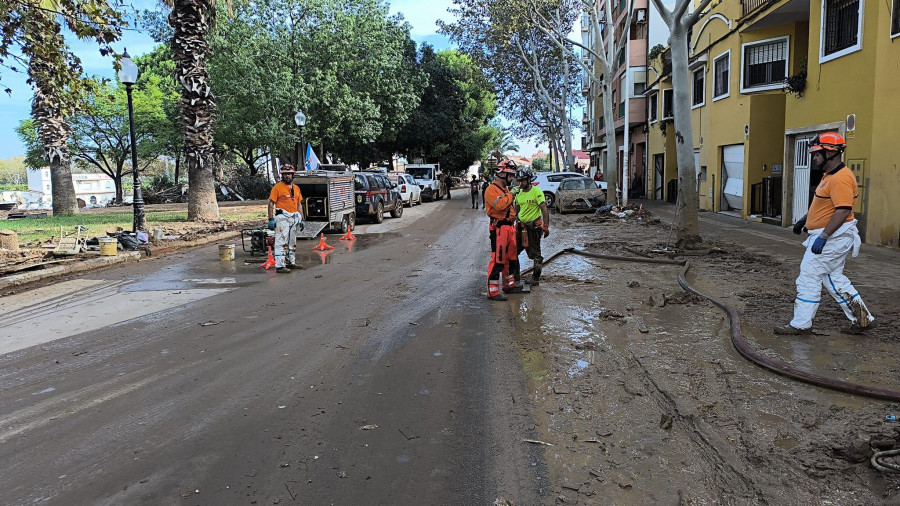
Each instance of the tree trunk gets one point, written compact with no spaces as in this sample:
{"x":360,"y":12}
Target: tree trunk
{"x":120,"y":193}
{"x":191,"y":21}
{"x":54,"y":132}
{"x":611,"y":173}
{"x":177,"y":166}
{"x":687,"y":209}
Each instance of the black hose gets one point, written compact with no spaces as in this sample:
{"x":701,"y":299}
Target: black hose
{"x":741,"y":344}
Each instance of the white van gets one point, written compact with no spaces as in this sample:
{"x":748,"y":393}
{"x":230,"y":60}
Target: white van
{"x":428,"y":176}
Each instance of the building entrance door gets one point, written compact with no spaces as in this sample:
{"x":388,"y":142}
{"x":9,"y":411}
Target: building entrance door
{"x":658,"y":169}
{"x":801,"y":179}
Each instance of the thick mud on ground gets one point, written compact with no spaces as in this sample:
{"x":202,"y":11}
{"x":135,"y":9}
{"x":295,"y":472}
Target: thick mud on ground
{"x":638,"y":389}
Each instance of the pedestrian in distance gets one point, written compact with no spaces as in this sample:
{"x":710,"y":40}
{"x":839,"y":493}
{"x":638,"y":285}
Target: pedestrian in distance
{"x":286,"y":219}
{"x":474,"y":189}
{"x":484,"y":185}
{"x":533,"y":221}
{"x":503,"y":269}
{"x":448,"y":183}
{"x":832,"y":236}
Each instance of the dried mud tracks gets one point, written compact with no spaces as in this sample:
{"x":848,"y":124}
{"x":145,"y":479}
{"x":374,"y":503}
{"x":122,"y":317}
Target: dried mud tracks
{"x":728,"y":474}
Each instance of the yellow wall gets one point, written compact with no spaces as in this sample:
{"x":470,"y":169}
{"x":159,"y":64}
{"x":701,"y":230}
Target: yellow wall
{"x":883,"y":188}
{"x":765,"y":146}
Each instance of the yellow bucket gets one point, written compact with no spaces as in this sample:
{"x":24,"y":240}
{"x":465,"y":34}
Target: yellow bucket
{"x":108,"y":246}
{"x":226,"y":252}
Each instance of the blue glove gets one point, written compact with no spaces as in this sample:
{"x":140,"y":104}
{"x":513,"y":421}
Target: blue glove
{"x":301,"y":226}
{"x":271,"y":224}
{"x":818,"y":245}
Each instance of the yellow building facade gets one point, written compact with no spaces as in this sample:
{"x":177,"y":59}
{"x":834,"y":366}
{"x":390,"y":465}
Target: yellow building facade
{"x":766,"y":77}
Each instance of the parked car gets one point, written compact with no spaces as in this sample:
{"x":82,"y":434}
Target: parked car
{"x":410,"y":193}
{"x":375,"y":194}
{"x":548,"y":182}
{"x":579,"y":194}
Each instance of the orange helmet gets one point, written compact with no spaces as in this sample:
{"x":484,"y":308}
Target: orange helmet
{"x":829,"y":141}
{"x":506,"y":167}
{"x":288,"y":169}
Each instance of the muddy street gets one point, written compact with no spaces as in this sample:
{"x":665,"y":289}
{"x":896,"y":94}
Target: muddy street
{"x":379,"y":374}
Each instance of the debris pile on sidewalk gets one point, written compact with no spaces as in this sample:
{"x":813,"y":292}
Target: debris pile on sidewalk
{"x":624,"y":212}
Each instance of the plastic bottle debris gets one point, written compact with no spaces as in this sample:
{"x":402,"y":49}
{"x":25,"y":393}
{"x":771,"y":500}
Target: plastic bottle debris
{"x":891,"y":418}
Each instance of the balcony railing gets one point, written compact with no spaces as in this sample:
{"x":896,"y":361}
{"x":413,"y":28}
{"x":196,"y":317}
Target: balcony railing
{"x":751,"y":5}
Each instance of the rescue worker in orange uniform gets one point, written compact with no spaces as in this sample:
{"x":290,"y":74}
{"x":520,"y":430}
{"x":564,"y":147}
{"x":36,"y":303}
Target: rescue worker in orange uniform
{"x":503,"y":269}
{"x":832,"y":237}
{"x":286,"y":219}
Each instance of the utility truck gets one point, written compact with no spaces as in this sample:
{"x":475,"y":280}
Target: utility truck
{"x":429,"y":177}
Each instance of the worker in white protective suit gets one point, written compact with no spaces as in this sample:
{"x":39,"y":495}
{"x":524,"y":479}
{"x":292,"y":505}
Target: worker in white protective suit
{"x":286,"y":219}
{"x":832,"y":236}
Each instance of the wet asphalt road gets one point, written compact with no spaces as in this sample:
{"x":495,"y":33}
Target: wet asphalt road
{"x":381,"y":376}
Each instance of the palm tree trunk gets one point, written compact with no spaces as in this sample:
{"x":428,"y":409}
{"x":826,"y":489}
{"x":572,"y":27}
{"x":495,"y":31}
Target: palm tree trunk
{"x":53,"y":129}
{"x":191,"y":21}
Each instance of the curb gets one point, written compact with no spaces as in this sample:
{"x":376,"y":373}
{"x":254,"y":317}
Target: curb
{"x":97,"y":263}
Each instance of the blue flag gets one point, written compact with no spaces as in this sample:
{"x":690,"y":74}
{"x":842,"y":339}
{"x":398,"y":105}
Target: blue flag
{"x":312,"y":161}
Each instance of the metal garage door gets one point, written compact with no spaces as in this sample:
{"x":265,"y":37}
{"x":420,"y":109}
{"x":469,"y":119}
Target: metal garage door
{"x":733,"y":176}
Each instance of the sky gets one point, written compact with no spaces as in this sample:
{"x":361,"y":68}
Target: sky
{"x":17,"y":106}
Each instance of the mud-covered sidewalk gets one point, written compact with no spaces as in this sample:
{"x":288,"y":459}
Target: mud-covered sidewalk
{"x":642,"y":398}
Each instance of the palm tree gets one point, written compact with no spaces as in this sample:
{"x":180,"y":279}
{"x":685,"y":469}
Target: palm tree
{"x":48,"y":112}
{"x":35,"y":26}
{"x":192,"y":21}
{"x":507,"y":143}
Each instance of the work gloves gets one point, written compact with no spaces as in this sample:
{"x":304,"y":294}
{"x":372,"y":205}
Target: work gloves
{"x":271,"y":224}
{"x":546,"y":232}
{"x":798,"y":227}
{"x":819,"y":243}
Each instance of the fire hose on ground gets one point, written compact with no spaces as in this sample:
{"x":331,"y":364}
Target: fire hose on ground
{"x":744,"y":348}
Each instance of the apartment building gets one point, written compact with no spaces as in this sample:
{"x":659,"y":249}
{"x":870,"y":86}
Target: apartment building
{"x":768,"y":75}
{"x":629,"y":102}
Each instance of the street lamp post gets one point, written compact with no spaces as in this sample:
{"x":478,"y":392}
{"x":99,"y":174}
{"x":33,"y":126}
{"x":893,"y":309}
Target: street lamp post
{"x":128,"y":75}
{"x":300,"y":120}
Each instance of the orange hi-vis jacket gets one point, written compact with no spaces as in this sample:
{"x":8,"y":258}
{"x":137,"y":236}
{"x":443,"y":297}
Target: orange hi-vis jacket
{"x":499,"y":202}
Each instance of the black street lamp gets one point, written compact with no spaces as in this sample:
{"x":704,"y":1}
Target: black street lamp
{"x":300,"y":120}
{"x":128,"y":75}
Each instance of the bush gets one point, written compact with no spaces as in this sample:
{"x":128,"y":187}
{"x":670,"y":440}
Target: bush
{"x":13,"y":187}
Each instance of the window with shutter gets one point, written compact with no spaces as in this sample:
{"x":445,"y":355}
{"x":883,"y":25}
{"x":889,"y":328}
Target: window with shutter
{"x":721,"y":75}
{"x":765,"y":64}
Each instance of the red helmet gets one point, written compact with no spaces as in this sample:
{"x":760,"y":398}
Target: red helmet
{"x":506,"y":167}
{"x":828,"y":141}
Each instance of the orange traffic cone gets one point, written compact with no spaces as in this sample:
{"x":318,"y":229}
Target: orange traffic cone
{"x":270,"y":262}
{"x":348,"y":236}
{"x":322,"y":246}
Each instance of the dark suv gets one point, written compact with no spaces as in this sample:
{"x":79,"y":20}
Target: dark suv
{"x":375,"y":194}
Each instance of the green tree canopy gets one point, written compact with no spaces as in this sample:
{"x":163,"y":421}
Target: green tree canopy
{"x":451,"y":124}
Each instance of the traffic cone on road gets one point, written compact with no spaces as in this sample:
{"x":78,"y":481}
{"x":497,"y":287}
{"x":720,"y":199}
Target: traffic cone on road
{"x":348,"y":236}
{"x":322,"y":246}
{"x":270,"y":262}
